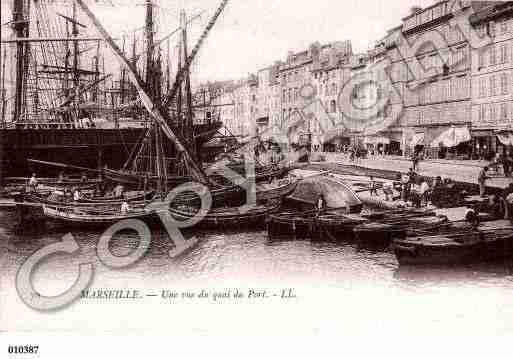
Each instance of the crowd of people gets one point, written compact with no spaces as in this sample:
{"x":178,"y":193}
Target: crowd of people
{"x":414,"y":190}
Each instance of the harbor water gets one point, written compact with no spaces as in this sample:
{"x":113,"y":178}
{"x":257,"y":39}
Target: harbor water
{"x":319,"y":286}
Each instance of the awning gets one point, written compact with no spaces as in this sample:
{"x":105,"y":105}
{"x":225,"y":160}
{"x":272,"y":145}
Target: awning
{"x":506,"y":138}
{"x":482,"y":133}
{"x":452,"y":137}
{"x":418,"y":139}
{"x":334,"y":134}
{"x":376,"y":140}
{"x":393,"y":136}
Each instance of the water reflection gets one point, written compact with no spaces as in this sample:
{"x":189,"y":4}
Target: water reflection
{"x":222,"y":256}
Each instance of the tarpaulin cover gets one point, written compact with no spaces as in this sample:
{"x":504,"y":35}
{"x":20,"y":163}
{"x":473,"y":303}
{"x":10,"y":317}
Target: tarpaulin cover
{"x":335,"y":193}
{"x":452,"y":137}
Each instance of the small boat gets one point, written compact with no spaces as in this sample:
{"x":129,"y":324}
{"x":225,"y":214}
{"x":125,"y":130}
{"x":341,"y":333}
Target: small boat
{"x":462,"y":247}
{"x":262,"y":173}
{"x":266,"y":192}
{"x":52,"y":182}
{"x":221,"y":197}
{"x":339,"y":224}
{"x":312,"y":225}
{"x":86,"y":216}
{"x":226,"y":218}
{"x":398,"y":213}
{"x":295,"y":224}
{"x":58,"y":200}
{"x":381,"y":233}
{"x":129,"y":197}
{"x":232,"y":196}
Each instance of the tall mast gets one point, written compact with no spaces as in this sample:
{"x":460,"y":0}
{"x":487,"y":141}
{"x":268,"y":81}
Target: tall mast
{"x":96,"y":69}
{"x":179,"y":93}
{"x":122,"y":81}
{"x":188,"y":120}
{"x":3,"y":89}
{"x":76,"y":74}
{"x":20,"y":24}
{"x":149,"y":49}
{"x":168,"y":71}
{"x":67,"y":63}
{"x":134,"y":60}
{"x":154,"y":110}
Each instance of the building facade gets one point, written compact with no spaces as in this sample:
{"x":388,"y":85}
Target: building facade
{"x":492,"y":75}
{"x":437,"y":93}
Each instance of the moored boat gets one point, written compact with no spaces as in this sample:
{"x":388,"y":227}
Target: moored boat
{"x":487,"y":243}
{"x":86,"y":216}
{"x":266,"y":192}
{"x":291,"y":224}
{"x":381,"y":233}
{"x":313,"y":225}
{"x":226,"y":218}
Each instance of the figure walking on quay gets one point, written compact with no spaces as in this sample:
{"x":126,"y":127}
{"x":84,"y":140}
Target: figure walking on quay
{"x":481,"y":180}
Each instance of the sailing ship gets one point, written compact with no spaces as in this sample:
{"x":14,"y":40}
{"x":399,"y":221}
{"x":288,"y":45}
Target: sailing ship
{"x":66,"y":104}
{"x":149,"y":165}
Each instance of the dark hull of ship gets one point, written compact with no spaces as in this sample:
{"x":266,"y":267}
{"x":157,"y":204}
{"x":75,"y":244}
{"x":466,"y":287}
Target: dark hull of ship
{"x":89,"y":148}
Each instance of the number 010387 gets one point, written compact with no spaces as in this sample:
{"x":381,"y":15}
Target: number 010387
{"x":23,"y":349}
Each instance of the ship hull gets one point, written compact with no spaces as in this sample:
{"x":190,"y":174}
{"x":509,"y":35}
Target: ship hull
{"x":91,"y":148}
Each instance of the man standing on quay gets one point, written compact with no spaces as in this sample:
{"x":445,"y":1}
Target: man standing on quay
{"x":481,"y":179}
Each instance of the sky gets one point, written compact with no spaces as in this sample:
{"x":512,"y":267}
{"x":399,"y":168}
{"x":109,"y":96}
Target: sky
{"x":252,"y":34}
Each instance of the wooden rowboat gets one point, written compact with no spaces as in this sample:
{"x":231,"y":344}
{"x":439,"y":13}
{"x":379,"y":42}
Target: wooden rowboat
{"x":87,"y":202}
{"x":86,"y":216}
{"x":312,"y":225}
{"x":381,"y":233}
{"x":119,"y":199}
{"x":226,"y":218}
{"x":463,"y":247}
{"x":266,"y":192}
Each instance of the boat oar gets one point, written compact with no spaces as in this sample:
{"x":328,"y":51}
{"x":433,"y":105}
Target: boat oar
{"x":63,"y":165}
{"x":367,"y":189}
{"x":314,"y":175}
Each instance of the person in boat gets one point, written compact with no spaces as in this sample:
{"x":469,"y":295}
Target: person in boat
{"x":388,"y":190}
{"x":60,"y":179}
{"x":406,"y":187}
{"x":321,"y":203}
{"x":77,"y":195}
{"x":496,"y":207}
{"x":125,"y":208}
{"x":472,"y":217}
{"x":424,"y":192}
{"x":481,"y":180}
{"x":372,"y":185}
{"x":119,"y":190}
{"x":83,"y":179}
{"x":68,"y":195}
{"x":32,"y":184}
{"x":436,"y":190}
